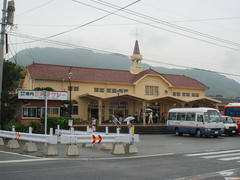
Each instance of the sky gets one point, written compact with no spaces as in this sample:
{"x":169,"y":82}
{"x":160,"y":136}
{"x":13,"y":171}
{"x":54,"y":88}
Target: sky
{"x":213,"y":45}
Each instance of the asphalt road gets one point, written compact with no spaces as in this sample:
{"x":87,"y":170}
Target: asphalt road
{"x":159,"y":157}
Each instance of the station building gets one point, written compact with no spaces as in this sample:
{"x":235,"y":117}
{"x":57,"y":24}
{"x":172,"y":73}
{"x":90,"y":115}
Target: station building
{"x":101,"y":93}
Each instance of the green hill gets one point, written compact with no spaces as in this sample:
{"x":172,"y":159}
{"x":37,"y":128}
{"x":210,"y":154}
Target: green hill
{"x":217,"y":83}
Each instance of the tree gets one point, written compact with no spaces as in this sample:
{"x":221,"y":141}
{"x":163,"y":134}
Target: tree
{"x":12,"y":73}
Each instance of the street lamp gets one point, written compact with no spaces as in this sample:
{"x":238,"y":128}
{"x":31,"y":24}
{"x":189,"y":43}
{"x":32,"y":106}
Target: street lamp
{"x":70,"y":89}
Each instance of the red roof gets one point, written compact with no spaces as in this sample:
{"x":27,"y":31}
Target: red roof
{"x":49,"y":71}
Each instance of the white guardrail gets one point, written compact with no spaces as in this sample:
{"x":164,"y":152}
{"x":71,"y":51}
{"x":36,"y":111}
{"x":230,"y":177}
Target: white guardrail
{"x":78,"y":137}
{"x":50,"y":139}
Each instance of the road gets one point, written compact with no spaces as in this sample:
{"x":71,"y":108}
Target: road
{"x":160,"y":157}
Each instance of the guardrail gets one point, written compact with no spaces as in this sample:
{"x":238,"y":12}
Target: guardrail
{"x":95,"y":138}
{"x":50,"y":139}
{"x":75,"y":137}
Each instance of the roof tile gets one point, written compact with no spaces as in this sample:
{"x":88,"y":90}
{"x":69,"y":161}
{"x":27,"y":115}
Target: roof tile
{"x":50,"y":71}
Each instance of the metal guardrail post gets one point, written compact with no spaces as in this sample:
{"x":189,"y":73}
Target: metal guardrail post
{"x":118,"y":131}
{"x":51,"y":131}
{"x":106,"y":130}
{"x":30,"y":130}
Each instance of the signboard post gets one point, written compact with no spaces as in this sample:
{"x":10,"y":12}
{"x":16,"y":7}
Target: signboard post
{"x":45,"y":94}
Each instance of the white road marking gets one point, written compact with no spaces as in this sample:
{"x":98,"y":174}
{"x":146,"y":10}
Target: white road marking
{"x":211,"y":153}
{"x":27,"y":160}
{"x":229,"y":159}
{"x":24,"y":155}
{"x":132,"y":157}
{"x":221,"y":155}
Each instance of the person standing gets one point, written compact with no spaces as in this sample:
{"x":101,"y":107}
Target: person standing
{"x":94,"y":122}
{"x":150,"y":118}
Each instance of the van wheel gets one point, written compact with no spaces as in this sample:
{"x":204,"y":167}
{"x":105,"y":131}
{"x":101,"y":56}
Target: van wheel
{"x":198,"y":133}
{"x":177,"y":132}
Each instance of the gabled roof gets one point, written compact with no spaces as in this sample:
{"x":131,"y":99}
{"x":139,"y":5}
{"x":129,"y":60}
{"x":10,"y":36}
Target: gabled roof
{"x":60,"y":72}
{"x":183,"y":81}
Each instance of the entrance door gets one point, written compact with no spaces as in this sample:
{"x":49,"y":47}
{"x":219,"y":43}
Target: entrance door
{"x":93,"y":109}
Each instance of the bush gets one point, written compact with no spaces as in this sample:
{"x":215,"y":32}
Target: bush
{"x":37,"y":127}
{"x":52,"y":122}
{"x":18,"y":127}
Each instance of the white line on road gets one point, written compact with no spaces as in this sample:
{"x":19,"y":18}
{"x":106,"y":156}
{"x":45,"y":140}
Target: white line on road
{"x":27,"y":160}
{"x":211,"y":153}
{"x":24,"y":155}
{"x":229,"y":159}
{"x":221,"y":155}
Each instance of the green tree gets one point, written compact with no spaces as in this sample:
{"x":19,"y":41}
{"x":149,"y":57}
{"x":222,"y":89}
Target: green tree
{"x":12,"y":73}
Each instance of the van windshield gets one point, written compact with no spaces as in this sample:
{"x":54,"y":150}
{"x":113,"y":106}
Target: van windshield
{"x":227,"y":119}
{"x":212,"y":116}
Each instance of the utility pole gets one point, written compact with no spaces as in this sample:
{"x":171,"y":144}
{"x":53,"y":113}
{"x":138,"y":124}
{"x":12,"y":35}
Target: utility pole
{"x":7,"y":19}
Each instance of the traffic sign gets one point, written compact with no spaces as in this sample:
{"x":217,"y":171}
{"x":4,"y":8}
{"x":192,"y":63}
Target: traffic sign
{"x":99,"y":139}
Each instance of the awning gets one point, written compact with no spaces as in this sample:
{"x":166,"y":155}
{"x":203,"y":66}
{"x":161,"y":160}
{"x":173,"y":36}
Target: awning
{"x":168,"y":98}
{"x":204,"y":99}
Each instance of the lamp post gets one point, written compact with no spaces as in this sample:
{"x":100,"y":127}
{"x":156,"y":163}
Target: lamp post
{"x":70,"y":95}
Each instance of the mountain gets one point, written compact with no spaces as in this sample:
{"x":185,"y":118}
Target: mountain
{"x":217,"y":83}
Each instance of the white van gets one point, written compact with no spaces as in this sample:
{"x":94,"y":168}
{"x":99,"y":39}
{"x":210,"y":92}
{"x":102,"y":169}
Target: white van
{"x":195,"y":121}
{"x":230,"y":127}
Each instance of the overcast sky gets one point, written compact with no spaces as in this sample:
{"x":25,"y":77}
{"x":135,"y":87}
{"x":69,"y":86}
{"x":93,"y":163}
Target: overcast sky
{"x":217,"y":18}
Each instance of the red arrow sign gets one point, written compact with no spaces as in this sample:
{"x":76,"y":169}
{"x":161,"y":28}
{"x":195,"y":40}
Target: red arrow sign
{"x":99,"y":139}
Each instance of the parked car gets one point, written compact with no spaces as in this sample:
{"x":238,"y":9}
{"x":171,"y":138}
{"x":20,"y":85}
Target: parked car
{"x":230,"y":127}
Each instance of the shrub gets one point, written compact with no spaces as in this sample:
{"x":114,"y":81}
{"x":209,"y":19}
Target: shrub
{"x":37,"y":127}
{"x":52,"y":122}
{"x":18,"y":127}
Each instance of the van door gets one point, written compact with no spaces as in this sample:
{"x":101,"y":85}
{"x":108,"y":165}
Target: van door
{"x":199,"y":120}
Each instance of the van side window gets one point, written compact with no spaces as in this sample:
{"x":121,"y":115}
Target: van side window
{"x":172,"y":116}
{"x":190,"y":116}
{"x":200,"y":118}
{"x":181,"y":116}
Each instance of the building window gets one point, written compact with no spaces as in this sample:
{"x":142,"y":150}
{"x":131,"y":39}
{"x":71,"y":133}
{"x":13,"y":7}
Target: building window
{"x":114,"y":91}
{"x":156,"y":93}
{"x":188,"y":94}
{"x":174,"y":94}
{"x":101,"y":89}
{"x":178,"y":93}
{"x":76,"y":88}
{"x":52,"y":111}
{"x":31,"y":112}
{"x":125,"y":90}
{"x":183,"y":94}
{"x":120,"y":90}
{"x":75,"y":110}
{"x":151,"y":90}
{"x":166,"y":91}
{"x":146,"y":90}
{"x":108,"y":90}
{"x":70,"y":88}
{"x":195,"y":94}
{"x":95,"y":89}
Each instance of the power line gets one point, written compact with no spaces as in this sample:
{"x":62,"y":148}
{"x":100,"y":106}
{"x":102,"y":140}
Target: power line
{"x":206,"y":19}
{"x":100,"y":18}
{"x":165,"y":23}
{"x":105,"y":51}
{"x":161,"y":28}
{"x":181,"y":34}
{"x":37,"y":7}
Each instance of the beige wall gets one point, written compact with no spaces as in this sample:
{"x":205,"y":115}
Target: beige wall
{"x":150,"y":81}
{"x":137,"y":89}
